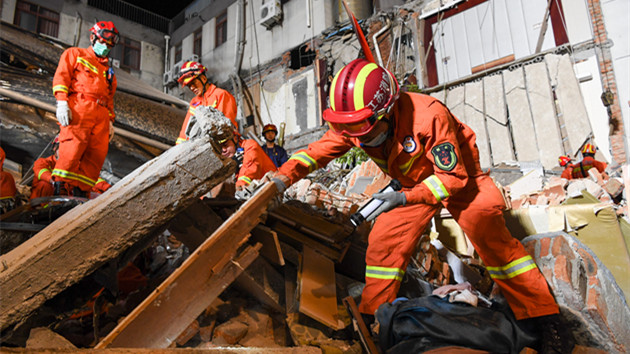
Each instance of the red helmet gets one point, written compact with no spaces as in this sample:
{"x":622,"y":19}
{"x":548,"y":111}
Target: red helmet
{"x":189,"y":71}
{"x":360,"y":94}
{"x":270,"y":128}
{"x":106,"y":31}
{"x":588,"y":149}
{"x":564,"y":160}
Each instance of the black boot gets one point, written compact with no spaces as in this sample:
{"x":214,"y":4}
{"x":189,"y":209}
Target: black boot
{"x":77,"y":192}
{"x":556,"y":336}
{"x":59,"y":188}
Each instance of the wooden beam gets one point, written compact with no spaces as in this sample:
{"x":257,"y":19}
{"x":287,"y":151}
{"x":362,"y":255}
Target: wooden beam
{"x":271,"y":249}
{"x":162,"y":316}
{"x":263,"y":282}
{"x":95,"y":232}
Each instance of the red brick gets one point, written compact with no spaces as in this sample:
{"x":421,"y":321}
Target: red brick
{"x":596,"y":305}
{"x":530,"y":247}
{"x":562,"y":269}
{"x":544,"y":246}
{"x":593,"y":282}
{"x":561,"y":247}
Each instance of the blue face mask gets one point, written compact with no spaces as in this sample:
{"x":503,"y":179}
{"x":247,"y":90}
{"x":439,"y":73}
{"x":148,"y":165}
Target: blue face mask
{"x":100,"y":49}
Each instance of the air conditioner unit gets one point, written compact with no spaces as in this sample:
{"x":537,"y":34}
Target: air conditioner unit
{"x":116,"y":63}
{"x":167,"y":79}
{"x":270,"y":13}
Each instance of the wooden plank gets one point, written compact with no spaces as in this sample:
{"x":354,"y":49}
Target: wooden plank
{"x":263,"y":282}
{"x":284,"y":230}
{"x":318,"y":293}
{"x":524,"y":137}
{"x":364,"y":332}
{"x":195,"y":224}
{"x":271,"y":249}
{"x":313,"y":225}
{"x":166,"y":312}
{"x":89,"y":235}
{"x":545,"y":122}
{"x":475,"y":119}
{"x":570,"y":103}
{"x":496,"y":120}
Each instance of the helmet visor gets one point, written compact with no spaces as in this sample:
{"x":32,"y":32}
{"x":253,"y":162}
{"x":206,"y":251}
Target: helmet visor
{"x":110,"y":37}
{"x":352,"y":124}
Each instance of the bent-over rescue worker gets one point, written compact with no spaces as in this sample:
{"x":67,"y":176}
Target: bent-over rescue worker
{"x":414,"y":138}
{"x":84,"y":86}
{"x":252,"y":160}
{"x":43,"y":167}
{"x":7,"y":187}
{"x":565,"y":161}
{"x":276,"y":153}
{"x":192,"y":75}
{"x":580,"y":169}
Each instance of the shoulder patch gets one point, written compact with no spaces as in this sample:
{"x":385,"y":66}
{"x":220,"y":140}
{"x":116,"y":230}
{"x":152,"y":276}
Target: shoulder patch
{"x":444,"y":156}
{"x":409,"y":145}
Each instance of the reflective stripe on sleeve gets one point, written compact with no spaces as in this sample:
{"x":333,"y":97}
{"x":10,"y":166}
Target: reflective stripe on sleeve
{"x":384,"y":273}
{"x":303,"y":157}
{"x":512,"y":269}
{"x":41,"y":172}
{"x":246,"y":179}
{"x":60,"y":88}
{"x":436,"y":187}
{"x":180,"y":140}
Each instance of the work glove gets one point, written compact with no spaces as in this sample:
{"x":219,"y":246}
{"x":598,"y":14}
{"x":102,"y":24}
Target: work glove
{"x":111,"y":130}
{"x":390,"y":201}
{"x":64,"y":115}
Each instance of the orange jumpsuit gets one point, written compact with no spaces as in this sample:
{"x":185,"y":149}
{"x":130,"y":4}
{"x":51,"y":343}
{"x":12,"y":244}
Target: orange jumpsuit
{"x":255,"y":163}
{"x":435,"y":158}
{"x":580,"y":169}
{"x":84,"y":80}
{"x":7,"y":183}
{"x":42,"y":180}
{"x":101,"y":186}
{"x":213,"y":97}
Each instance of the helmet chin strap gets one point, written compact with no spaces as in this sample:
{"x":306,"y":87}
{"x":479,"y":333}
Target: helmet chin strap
{"x":380,"y":138}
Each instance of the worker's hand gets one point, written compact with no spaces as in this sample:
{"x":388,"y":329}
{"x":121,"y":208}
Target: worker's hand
{"x":111,"y":131}
{"x":390,"y":201}
{"x":64,"y":115}
{"x":281,"y":181}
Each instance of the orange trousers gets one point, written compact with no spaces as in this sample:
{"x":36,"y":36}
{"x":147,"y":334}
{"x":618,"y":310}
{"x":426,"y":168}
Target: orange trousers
{"x":83,"y":144}
{"x":41,"y":189}
{"x":478,"y":209}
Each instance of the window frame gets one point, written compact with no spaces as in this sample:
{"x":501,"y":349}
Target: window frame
{"x":38,"y":17}
{"x":177,"y":52}
{"x":220,"y":28}
{"x":197,"y":41}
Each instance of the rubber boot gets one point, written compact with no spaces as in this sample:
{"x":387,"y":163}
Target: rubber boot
{"x":77,"y":192}
{"x":59,"y":188}
{"x":556,"y":336}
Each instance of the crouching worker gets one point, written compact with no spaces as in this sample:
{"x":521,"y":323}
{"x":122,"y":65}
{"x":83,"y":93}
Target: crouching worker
{"x":414,"y":138}
{"x":42,"y":173}
{"x":252,"y":161}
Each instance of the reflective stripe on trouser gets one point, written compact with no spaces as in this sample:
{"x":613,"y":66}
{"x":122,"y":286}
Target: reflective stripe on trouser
{"x":480,"y":215}
{"x":478,"y":210}
{"x":83,"y":145}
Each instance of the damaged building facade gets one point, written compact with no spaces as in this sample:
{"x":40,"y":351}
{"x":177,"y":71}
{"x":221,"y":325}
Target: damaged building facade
{"x":168,"y":258}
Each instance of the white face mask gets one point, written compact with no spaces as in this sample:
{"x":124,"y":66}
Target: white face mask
{"x":100,"y":49}
{"x":378,"y":140}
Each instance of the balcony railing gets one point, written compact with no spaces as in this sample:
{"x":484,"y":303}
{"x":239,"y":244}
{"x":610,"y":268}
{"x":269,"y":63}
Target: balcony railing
{"x":132,"y":13}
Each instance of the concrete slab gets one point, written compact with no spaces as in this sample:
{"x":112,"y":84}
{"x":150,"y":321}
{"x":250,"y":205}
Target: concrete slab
{"x":475,"y":118}
{"x":455,"y":102}
{"x":546,"y":125}
{"x":520,"y":116}
{"x":496,"y":119}
{"x":569,"y":96}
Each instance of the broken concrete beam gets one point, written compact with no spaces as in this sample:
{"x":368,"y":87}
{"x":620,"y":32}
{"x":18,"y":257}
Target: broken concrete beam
{"x":45,"y":338}
{"x":263,"y":282}
{"x":89,"y":235}
{"x":195,"y":284}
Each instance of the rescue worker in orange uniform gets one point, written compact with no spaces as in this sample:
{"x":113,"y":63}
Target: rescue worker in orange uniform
{"x":276,"y":153}
{"x":252,"y":160}
{"x":192,"y":75}
{"x":7,"y":187}
{"x":84,"y":86}
{"x":580,"y":169}
{"x":43,"y":167}
{"x":414,"y":138}
{"x":565,"y":161}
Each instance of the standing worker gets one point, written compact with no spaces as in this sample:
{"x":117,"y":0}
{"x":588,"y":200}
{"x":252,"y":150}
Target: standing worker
{"x":414,"y":138}
{"x":84,"y":86}
{"x":7,"y":187}
{"x":580,"y":169}
{"x":276,"y":153}
{"x":192,"y":75}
